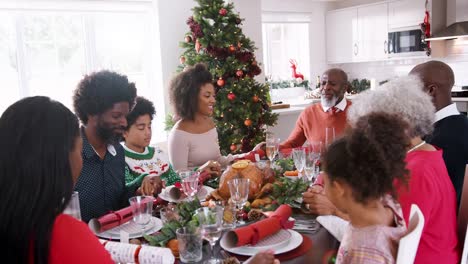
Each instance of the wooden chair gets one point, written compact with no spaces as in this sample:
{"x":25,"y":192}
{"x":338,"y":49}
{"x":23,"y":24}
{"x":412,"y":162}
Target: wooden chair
{"x":409,"y":243}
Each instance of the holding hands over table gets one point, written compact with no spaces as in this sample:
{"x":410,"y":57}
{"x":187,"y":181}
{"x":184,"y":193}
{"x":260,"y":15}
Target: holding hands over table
{"x":316,"y":202}
{"x":151,"y":185}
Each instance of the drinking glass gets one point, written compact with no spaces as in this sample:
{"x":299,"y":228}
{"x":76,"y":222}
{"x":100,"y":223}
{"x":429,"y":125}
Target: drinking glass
{"x":211,"y":221}
{"x":189,"y":183}
{"x":312,"y":169}
{"x":272,"y":147}
{"x":73,"y":207}
{"x":142,"y":207}
{"x":299,"y":158}
{"x":239,"y":189}
{"x":190,"y":244}
{"x":329,"y":135}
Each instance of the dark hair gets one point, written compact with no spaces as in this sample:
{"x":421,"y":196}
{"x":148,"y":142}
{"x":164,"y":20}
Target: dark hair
{"x":370,"y":156}
{"x":143,"y":106}
{"x":99,"y":91}
{"x":37,"y":135}
{"x":185,"y":88}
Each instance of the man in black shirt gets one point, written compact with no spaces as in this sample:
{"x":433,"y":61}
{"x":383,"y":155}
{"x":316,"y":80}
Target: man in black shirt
{"x":102,"y":102}
{"x":450,"y":127}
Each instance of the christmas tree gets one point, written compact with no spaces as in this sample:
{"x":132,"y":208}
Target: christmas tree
{"x":242,"y":109}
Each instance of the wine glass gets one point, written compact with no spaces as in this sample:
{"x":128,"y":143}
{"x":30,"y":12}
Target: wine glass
{"x":211,"y":220}
{"x":272,"y":147}
{"x":299,"y":158}
{"x":142,"y":207}
{"x":312,"y":169}
{"x":239,"y":189}
{"x":329,"y":135}
{"x":189,"y":183}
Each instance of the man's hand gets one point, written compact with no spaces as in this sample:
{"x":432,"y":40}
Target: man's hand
{"x":264,"y":257}
{"x":212,"y":167}
{"x":318,"y":203}
{"x":151,"y":185}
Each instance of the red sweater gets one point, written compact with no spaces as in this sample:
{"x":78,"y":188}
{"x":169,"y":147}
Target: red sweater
{"x":431,"y":189}
{"x":311,"y":125}
{"x":73,"y":242}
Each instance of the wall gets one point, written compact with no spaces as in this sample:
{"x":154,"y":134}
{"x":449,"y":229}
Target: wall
{"x":317,"y":10}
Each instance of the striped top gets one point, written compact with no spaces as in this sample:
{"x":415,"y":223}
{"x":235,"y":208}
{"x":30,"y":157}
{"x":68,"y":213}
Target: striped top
{"x":373,"y":244}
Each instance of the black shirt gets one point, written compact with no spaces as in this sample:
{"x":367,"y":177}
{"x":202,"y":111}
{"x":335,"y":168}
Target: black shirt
{"x":101,"y":184}
{"x":451,"y":135}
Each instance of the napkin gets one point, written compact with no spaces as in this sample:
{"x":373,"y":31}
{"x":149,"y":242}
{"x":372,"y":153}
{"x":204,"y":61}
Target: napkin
{"x":334,"y":224}
{"x":130,"y":253}
{"x":255,"y":232}
{"x":114,"y":219}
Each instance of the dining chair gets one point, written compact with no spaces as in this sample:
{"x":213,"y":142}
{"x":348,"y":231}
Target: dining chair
{"x":465,"y":250}
{"x":410,"y":242}
{"x":462,"y":218}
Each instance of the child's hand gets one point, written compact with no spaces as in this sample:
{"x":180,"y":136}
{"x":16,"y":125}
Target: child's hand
{"x":264,"y":257}
{"x":212,"y":167}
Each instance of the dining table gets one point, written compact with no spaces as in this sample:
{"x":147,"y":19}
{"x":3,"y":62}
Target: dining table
{"x":324,"y":244}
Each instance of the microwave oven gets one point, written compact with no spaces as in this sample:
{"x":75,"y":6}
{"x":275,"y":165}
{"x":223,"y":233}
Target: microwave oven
{"x":406,"y":42}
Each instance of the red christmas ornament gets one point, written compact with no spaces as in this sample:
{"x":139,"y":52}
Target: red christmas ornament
{"x":182,"y":59}
{"x":223,"y":11}
{"x":254,"y":63}
{"x":232,"y":48}
{"x":231,"y":96}
{"x":197,"y":46}
{"x":220,"y":82}
{"x":255,"y":98}
{"x":248,"y":122}
{"x":233,"y":147}
{"x":188,"y":39}
{"x":239,"y":73}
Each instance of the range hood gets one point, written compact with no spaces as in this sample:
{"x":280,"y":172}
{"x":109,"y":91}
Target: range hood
{"x":457,"y":19}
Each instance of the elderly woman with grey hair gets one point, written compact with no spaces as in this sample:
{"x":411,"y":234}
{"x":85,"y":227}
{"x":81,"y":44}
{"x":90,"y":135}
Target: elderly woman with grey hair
{"x":429,"y":186}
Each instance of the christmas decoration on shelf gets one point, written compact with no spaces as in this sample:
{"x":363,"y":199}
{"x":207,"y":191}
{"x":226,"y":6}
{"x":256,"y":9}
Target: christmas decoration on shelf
{"x":426,"y":30}
{"x":295,"y":74}
{"x":182,"y":59}
{"x":218,"y":41}
{"x":188,"y":39}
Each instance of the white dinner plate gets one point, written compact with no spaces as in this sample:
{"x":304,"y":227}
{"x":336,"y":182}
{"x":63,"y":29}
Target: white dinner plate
{"x":133,"y":229}
{"x":201,"y":194}
{"x":293,"y":243}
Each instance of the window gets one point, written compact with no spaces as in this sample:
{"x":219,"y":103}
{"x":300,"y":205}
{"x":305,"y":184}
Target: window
{"x":46,"y":48}
{"x":285,"y":37}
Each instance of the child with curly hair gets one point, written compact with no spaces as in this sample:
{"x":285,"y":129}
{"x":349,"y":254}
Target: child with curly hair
{"x":360,"y":169}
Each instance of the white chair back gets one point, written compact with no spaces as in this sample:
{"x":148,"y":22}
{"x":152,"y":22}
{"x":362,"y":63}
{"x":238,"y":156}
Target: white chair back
{"x":462,"y":218}
{"x":409,"y":243}
{"x":465,"y":251}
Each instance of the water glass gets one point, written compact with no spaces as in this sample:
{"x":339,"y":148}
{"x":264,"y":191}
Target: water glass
{"x":211,"y":221}
{"x":299,"y":158}
{"x":329,"y":135}
{"x":190,"y":244}
{"x":189,"y":183}
{"x":239,"y":189}
{"x":312,"y":168}
{"x":73,"y":207}
{"x":142,"y":208}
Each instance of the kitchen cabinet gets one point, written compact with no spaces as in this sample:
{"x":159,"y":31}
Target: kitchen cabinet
{"x":341,"y":30}
{"x":357,"y":34}
{"x":405,"y":14}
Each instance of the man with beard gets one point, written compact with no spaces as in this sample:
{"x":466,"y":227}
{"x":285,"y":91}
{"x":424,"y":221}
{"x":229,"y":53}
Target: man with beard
{"x":330,"y":112}
{"x":102,"y":102}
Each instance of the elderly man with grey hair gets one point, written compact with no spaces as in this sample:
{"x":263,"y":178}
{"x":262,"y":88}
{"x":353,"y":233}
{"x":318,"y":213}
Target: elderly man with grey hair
{"x":429,"y":186}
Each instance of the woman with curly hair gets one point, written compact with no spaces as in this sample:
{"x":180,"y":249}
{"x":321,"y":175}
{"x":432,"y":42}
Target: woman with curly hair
{"x":360,"y":169}
{"x":194,"y":140}
{"x":430,"y":187}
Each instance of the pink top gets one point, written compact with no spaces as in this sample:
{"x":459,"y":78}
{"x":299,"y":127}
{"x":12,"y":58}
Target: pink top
{"x":373,"y":244}
{"x":187,"y":150}
{"x":431,"y":189}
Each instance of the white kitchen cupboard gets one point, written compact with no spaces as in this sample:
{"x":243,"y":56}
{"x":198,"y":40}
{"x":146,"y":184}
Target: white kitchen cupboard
{"x":357,"y":34}
{"x":341,"y":28}
{"x":405,"y":14}
{"x":372,"y":32}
